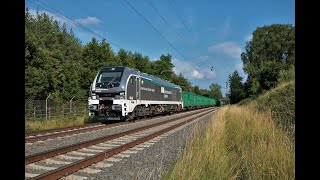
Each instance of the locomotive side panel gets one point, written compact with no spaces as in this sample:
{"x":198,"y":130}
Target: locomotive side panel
{"x":153,"y":91}
{"x":147,"y":90}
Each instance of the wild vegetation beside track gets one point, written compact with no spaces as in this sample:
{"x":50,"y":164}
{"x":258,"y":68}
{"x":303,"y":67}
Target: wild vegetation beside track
{"x":251,"y":140}
{"x":280,"y":101}
{"x":54,"y":123}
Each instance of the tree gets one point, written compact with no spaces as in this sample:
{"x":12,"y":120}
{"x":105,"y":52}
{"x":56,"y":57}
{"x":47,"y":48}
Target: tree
{"x":237,"y":92}
{"x":269,"y":73}
{"x":163,"y":64}
{"x":95,"y":57}
{"x":215,"y":91}
{"x":51,"y":57}
{"x":196,"y":90}
{"x":204,"y":92}
{"x":126,"y":58}
{"x":182,"y":82}
{"x":271,"y":49}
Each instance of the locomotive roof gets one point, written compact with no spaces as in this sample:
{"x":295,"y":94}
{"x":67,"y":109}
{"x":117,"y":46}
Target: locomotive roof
{"x":158,"y":80}
{"x":144,"y":75}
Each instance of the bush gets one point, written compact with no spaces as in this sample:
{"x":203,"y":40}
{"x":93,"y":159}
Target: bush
{"x":286,"y":75}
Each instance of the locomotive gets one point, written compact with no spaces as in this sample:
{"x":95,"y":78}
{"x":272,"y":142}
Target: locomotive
{"x":122,"y":93}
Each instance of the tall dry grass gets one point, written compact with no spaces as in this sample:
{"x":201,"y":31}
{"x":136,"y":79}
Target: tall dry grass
{"x":239,"y":143}
{"x":34,"y":126}
{"x":280,"y":101}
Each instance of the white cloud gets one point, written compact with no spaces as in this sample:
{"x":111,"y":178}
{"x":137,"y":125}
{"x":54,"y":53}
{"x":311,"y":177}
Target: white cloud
{"x":190,"y":72}
{"x":227,"y":48}
{"x":196,"y":74}
{"x":83,"y":35}
{"x":88,"y":20}
{"x":62,"y":19}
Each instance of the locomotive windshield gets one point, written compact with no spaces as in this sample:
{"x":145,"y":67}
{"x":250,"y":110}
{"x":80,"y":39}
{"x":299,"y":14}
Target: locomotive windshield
{"x":109,"y":79}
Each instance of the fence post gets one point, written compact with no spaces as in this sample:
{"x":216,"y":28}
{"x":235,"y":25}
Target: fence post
{"x":47,"y":106}
{"x":34,"y":112}
{"x":71,"y":104}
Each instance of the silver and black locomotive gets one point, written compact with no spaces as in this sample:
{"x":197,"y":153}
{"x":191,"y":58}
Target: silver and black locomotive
{"x":123,"y":93}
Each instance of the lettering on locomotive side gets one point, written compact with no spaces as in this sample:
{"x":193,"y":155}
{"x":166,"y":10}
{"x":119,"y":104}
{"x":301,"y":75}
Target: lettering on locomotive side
{"x":147,"y":89}
{"x":167,"y":92}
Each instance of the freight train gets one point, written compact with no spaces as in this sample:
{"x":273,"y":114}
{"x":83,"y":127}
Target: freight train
{"x":125,"y":94}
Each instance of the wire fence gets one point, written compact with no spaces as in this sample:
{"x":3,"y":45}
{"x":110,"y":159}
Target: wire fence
{"x":50,"y":109}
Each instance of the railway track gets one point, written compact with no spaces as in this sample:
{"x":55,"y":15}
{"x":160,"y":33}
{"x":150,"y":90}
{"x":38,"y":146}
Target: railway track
{"x":61,"y":132}
{"x":53,"y":133}
{"x":70,"y":159}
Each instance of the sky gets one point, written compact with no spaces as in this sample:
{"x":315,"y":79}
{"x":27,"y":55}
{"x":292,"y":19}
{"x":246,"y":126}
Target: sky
{"x":204,"y":37}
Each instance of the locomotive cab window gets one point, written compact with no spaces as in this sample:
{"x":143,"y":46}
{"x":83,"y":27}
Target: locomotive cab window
{"x":109,"y":79}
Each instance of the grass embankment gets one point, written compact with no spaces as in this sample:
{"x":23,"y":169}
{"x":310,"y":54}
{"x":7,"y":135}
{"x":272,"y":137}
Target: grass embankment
{"x":244,"y":142}
{"x":280,"y":101}
{"x":39,"y":125}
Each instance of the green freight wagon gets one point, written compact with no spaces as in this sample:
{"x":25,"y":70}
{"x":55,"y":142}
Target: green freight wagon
{"x":193,"y":101}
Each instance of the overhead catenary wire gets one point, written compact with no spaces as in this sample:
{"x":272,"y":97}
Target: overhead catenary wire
{"x":179,"y":36}
{"x":179,"y":17}
{"x":155,"y":9}
{"x":72,"y":21}
{"x":146,"y":20}
{"x":98,"y":35}
{"x":56,"y":12}
{"x":171,"y":3}
{"x":164,"y":20}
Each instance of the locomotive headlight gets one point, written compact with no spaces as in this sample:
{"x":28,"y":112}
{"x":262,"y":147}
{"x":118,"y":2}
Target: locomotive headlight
{"x":116,"y":107}
{"x":95,"y":97}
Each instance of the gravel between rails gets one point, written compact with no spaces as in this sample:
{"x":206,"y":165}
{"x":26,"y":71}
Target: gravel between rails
{"x":50,"y":144}
{"x":153,"y":161}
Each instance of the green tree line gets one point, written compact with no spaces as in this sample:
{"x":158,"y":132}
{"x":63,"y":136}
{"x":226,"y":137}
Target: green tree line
{"x":57,"y":63}
{"x":269,"y":58}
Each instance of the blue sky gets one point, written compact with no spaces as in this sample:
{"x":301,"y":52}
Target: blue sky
{"x":207,"y":33}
